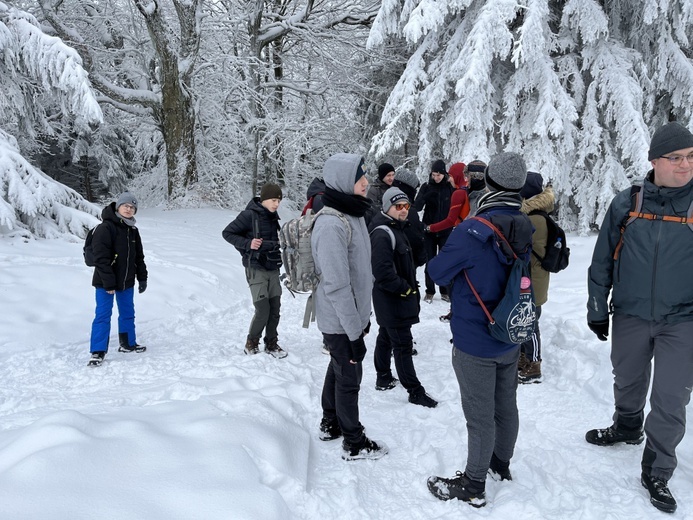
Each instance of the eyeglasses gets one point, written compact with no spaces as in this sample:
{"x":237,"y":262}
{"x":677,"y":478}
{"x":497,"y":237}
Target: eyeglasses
{"x":675,"y":160}
{"x":128,"y":207}
{"x":402,"y":205}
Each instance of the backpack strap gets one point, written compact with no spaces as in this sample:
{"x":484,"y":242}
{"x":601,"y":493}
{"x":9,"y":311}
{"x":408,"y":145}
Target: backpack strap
{"x":389,"y":232}
{"x":476,"y":294}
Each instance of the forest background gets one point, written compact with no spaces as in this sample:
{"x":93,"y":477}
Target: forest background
{"x":197,"y":103}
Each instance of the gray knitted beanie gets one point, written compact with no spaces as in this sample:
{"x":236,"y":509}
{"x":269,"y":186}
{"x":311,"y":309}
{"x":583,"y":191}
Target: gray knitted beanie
{"x":393,"y":196}
{"x":407,"y":177}
{"x":506,"y":172}
{"x":669,"y":138}
{"x":126,"y":198}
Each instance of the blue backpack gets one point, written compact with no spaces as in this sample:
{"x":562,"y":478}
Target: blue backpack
{"x":514,"y":318}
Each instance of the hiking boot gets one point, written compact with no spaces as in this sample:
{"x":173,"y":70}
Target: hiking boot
{"x":428,"y":298}
{"x":125,"y":344}
{"x":522,"y":362}
{"x":251,"y":346}
{"x":610,"y":436}
{"x":445,"y":298}
{"x":460,"y":487}
{"x":423,"y":399}
{"x":531,"y":373}
{"x":367,"y":450}
{"x":660,"y":496}
{"x":386,"y":385}
{"x":273,"y":348}
{"x":499,"y":470}
{"x":96,"y":359}
{"x":329,"y":430}
{"x":445,"y":318}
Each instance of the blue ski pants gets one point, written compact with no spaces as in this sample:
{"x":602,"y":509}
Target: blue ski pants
{"x":101,"y":326}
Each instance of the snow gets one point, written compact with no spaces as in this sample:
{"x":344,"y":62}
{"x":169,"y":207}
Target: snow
{"x":193,"y":428}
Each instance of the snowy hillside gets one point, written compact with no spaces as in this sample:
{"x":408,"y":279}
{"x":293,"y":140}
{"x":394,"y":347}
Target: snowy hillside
{"x":194,"y":429}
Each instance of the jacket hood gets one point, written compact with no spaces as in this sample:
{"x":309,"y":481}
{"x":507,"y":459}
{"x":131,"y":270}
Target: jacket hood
{"x":544,"y":201}
{"x":339,"y":171}
{"x":316,"y":187}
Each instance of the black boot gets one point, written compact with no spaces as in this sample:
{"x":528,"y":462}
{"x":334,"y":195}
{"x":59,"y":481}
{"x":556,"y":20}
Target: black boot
{"x":498,"y":469}
{"x":125,"y":344}
{"x":460,"y":487}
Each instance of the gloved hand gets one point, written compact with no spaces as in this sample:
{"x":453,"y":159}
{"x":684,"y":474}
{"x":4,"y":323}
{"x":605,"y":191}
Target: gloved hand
{"x":600,"y":328}
{"x":409,"y":292}
{"x":358,"y":350}
{"x":142,"y":287}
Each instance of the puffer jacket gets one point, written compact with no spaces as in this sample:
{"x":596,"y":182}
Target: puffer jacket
{"x":343,"y":296}
{"x":472,"y":246}
{"x":651,"y":278}
{"x":118,"y":253}
{"x":540,"y":277}
{"x":239,"y":233}
{"x":395,"y":274}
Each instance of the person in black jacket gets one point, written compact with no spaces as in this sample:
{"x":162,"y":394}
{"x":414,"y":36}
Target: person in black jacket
{"x":408,"y":182}
{"x":395,"y":297}
{"x":255,"y":234}
{"x":118,"y":261}
{"x":434,"y":200}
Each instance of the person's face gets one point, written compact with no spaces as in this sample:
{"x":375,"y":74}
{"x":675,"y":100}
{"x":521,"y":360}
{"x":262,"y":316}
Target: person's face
{"x":389,"y":178}
{"x":271,"y":204}
{"x":399,"y":211}
{"x":675,"y":169}
{"x":437,"y":177}
{"x":126,"y":210}
{"x":361,"y":186}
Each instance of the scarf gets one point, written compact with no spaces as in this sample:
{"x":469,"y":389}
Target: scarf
{"x":128,"y":221}
{"x":499,"y":199}
{"x":350,"y":204}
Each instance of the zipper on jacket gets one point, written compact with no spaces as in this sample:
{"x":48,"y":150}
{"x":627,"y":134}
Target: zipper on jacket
{"x":654,"y":270}
{"x":127,"y":261}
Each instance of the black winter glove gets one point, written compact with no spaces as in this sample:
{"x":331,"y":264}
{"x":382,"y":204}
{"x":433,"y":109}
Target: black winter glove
{"x":367,"y":329}
{"x":600,"y":328}
{"x":142,"y":287}
{"x":358,"y":350}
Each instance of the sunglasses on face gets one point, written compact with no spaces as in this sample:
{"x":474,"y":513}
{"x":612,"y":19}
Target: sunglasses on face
{"x":402,"y":205}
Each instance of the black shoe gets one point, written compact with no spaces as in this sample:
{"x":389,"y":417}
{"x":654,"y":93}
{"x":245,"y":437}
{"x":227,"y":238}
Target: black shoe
{"x":329,"y":430}
{"x":660,"y":496}
{"x":367,"y":450}
{"x":96,"y":359}
{"x":445,"y":298}
{"x":423,"y":399}
{"x":499,"y":470}
{"x":610,"y":436}
{"x":460,"y":487}
{"x":387,"y":385}
{"x":273,"y":349}
{"x":135,"y":348}
{"x":445,"y":318}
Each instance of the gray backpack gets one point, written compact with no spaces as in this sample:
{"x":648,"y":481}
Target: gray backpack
{"x":297,"y":256}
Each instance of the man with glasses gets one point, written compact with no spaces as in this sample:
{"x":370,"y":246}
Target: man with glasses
{"x":396,"y":298}
{"x":119,"y":262}
{"x":644,"y":262}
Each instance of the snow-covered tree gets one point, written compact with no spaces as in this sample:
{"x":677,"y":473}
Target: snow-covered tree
{"x":35,"y":65}
{"x":576,"y":86}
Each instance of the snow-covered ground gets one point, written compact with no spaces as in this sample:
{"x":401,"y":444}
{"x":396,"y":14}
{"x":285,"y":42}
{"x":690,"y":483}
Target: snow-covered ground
{"x":194,"y":429}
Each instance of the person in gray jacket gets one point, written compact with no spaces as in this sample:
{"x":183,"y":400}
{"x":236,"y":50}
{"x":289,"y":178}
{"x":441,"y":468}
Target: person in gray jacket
{"x":645,"y":265}
{"x":342,"y":253}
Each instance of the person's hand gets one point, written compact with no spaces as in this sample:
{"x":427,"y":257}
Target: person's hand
{"x":142,"y":287}
{"x":427,"y":229}
{"x":600,"y":328}
{"x":255,"y":243}
{"x":358,"y":351}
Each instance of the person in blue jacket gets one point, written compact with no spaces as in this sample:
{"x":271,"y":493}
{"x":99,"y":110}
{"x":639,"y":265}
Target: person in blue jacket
{"x":486,"y":369}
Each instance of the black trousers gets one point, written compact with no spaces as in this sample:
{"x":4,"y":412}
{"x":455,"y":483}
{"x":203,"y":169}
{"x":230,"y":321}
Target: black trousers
{"x":340,"y":392}
{"x":397,"y":341}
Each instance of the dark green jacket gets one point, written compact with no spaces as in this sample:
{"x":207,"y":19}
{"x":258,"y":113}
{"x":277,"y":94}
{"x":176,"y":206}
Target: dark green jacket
{"x":652,"y":278}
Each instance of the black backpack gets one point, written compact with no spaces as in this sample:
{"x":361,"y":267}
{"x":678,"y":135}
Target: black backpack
{"x":87,"y":250}
{"x":557,"y":254}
